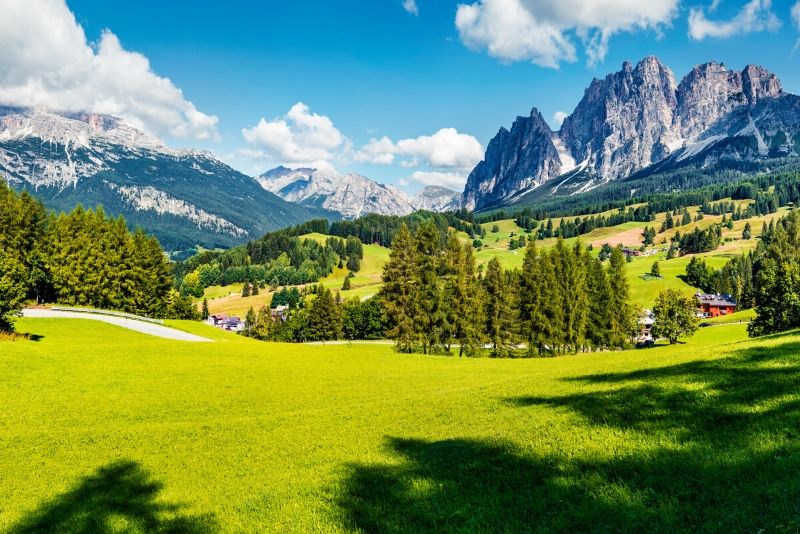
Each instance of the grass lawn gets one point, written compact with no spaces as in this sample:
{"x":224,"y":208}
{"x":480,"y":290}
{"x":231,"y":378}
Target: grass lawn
{"x":104,"y":429}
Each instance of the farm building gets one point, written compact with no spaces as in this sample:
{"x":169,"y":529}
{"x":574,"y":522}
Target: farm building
{"x":714,"y":305}
{"x":646,"y":322}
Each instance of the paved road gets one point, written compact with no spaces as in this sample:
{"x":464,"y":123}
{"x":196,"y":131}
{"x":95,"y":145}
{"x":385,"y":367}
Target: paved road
{"x":132,"y":324}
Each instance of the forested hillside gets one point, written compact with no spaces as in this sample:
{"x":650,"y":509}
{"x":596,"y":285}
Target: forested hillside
{"x":81,"y":258}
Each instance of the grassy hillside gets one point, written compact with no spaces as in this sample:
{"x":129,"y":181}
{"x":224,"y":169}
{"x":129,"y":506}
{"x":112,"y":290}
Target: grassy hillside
{"x":104,"y":429}
{"x":496,"y":244}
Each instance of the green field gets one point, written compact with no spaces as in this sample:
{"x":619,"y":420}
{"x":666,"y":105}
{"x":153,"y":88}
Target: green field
{"x":103,"y":429}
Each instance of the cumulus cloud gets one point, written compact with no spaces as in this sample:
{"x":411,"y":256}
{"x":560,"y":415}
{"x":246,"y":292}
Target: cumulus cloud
{"x":558,"y":118}
{"x":450,"y":180}
{"x":542,"y":31}
{"x":796,"y":14}
{"x":755,"y":16}
{"x":445,"y":148}
{"x":411,"y":7}
{"x":47,"y":61}
{"x":299,"y":137}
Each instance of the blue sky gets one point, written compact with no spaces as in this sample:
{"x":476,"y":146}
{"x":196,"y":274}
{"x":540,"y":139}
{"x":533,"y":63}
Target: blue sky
{"x":366,"y":69}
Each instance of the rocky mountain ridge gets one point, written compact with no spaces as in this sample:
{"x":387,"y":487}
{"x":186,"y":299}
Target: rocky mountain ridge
{"x":633,"y":119}
{"x":185,"y":197}
{"x":351,"y":194}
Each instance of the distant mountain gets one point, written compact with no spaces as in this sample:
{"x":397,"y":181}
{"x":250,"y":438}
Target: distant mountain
{"x":352,"y":195}
{"x":184,"y":197}
{"x":436,"y":198}
{"x":638,"y":121}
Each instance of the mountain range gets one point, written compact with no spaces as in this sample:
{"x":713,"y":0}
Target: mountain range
{"x":632,"y":126}
{"x":352,"y":195}
{"x":184,"y":197}
{"x":637,"y":121}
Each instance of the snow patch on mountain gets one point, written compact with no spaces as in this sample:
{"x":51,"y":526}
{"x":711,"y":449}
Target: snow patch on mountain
{"x":437,"y":199}
{"x":352,"y":195}
{"x":149,"y":198}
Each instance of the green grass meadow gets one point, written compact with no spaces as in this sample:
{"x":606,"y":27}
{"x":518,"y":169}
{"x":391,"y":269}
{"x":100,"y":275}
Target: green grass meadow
{"x":106,"y":430}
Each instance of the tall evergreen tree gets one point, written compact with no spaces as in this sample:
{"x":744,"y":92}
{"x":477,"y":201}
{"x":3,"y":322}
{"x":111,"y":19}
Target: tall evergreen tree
{"x":498,"y":310}
{"x":461,"y":302}
{"x":598,"y":324}
{"x":324,"y":317}
{"x":204,"y":314}
{"x":623,"y":319}
{"x":399,"y":292}
{"x":429,"y":316}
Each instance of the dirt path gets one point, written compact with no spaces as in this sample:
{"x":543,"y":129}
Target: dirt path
{"x":131,"y":324}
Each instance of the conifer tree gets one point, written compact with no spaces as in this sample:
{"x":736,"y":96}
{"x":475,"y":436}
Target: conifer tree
{"x":399,"y":292}
{"x":204,"y":313}
{"x":499,"y":313}
{"x":598,"y":324}
{"x":461,"y":302}
{"x":655,"y":270}
{"x":324,"y":317}
{"x":429,"y":317}
{"x":747,"y":233}
{"x":622,"y":315}
{"x":249,"y":321}
{"x":346,"y":285}
{"x":571,"y":277}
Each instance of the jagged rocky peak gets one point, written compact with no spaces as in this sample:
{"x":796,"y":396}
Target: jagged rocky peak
{"x":516,"y":160}
{"x":624,"y":121}
{"x":711,"y":91}
{"x":632,"y":119}
{"x":352,"y":195}
{"x":81,"y":128}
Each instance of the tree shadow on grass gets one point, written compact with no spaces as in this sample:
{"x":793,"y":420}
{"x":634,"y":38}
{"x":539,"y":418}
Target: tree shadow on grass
{"x":719,"y":402}
{"x":705,"y":446}
{"x":462,"y":485}
{"x":119,"y":497}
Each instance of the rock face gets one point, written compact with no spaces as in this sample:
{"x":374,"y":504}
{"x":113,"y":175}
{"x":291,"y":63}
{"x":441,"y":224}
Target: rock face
{"x":635,"y":118}
{"x":437,"y":199}
{"x":516,"y":161}
{"x":351,"y":195}
{"x":184,"y":197}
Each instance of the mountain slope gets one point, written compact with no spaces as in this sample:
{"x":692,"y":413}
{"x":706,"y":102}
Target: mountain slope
{"x":184,"y":197}
{"x":640,"y":120}
{"x":436,"y":198}
{"x":352,"y":195}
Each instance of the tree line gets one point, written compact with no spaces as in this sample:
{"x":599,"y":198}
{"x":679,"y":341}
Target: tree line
{"x":562,"y":300}
{"x":81,"y":258}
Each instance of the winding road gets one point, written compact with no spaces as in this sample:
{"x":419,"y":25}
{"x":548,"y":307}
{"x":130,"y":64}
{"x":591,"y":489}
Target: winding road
{"x":131,"y":324}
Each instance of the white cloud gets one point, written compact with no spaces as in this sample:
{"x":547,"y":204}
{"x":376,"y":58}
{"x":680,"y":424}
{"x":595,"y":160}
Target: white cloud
{"x":445,"y":148}
{"x":558,"y":118}
{"x":796,"y":14}
{"x":450,"y":180}
{"x":542,"y":31}
{"x":714,"y":5}
{"x":755,"y":16}
{"x":299,"y":137}
{"x":47,"y":61}
{"x":411,"y":7}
